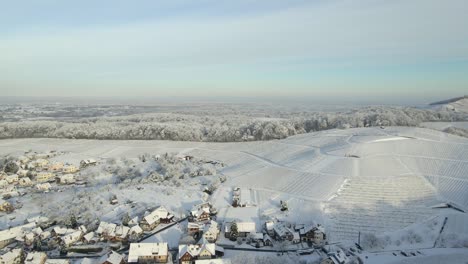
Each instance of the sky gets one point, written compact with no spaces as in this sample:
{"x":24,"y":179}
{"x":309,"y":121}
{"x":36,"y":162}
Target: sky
{"x":241,"y":48}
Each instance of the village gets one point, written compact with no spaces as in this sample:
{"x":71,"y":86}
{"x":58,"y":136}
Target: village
{"x":205,"y":238}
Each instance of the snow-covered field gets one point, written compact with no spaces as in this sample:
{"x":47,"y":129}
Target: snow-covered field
{"x":376,"y":180}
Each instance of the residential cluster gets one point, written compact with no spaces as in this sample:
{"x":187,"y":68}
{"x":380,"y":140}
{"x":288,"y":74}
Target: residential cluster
{"x":36,"y":172}
{"x":204,"y":240}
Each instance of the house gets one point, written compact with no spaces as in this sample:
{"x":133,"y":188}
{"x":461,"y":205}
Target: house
{"x":121,"y":233}
{"x":267,"y":240}
{"x":66,"y":179}
{"x":28,"y":238}
{"x":296,"y":238}
{"x":151,"y":221}
{"x":148,"y":253}
{"x":133,"y":221}
{"x":89,"y":238}
{"x":269,"y":227}
{"x":56,"y":166}
{"x":6,"y":207}
{"x":338,"y":257}
{"x":243,"y":228}
{"x":135,"y":232}
{"x":283,"y":232}
{"x":45,"y":187}
{"x":69,"y":169}
{"x":106,"y":230}
{"x":202,"y":212}
{"x":200,"y":215}
{"x":12,"y":178}
{"x":22,"y":173}
{"x":315,"y":234}
{"x":40,"y":163}
{"x":44,"y":176}
{"x":25,"y":182}
{"x":256,"y":238}
{"x":194,"y":228}
{"x":45,"y":235}
{"x":87,"y":162}
{"x":3,"y":183}
{"x":188,"y":254}
{"x":61,"y":231}
{"x":72,"y":238}
{"x":211,"y":231}
{"x":35,"y":258}
{"x":113,"y":258}
{"x":9,"y":236}
{"x":12,"y":257}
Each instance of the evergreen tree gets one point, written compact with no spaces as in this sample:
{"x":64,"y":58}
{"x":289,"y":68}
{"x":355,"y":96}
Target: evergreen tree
{"x":233,"y":232}
{"x":125,"y":219}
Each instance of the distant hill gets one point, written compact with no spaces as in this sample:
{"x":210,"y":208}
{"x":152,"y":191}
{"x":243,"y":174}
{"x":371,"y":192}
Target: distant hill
{"x":459,"y":104}
{"x":450,"y":100}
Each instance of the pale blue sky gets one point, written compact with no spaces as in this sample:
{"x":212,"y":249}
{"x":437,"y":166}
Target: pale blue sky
{"x":234,"y":48}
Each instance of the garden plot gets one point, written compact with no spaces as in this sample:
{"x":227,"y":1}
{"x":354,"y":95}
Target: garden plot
{"x":377,"y":205}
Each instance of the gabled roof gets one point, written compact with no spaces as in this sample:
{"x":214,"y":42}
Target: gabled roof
{"x":242,"y":227}
{"x":156,"y":215}
{"x":113,"y":258}
{"x":146,"y":249}
{"x":135,"y":230}
{"x":88,"y":237}
{"x":73,"y":237}
{"x":14,"y":232}
{"x":108,"y":228}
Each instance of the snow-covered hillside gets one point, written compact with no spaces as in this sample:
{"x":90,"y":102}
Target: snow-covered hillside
{"x":368,"y":180}
{"x":459,"y":104}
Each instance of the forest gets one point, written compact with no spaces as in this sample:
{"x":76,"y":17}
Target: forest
{"x":224,"y":125}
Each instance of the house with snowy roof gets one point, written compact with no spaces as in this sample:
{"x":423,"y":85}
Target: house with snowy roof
{"x":72,"y":238}
{"x":9,"y":236}
{"x":152,"y":220}
{"x":112,"y":258}
{"x":148,"y":253}
{"x":35,"y":258}
{"x":282,"y":231}
{"x":243,"y":228}
{"x":211,"y":231}
{"x":188,"y":254}
{"x":12,"y":257}
{"x":106,"y":230}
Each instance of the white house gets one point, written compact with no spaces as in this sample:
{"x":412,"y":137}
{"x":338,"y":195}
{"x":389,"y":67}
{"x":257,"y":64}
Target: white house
{"x":45,"y":187}
{"x":25,"y":182}
{"x":44,"y":176}
{"x":66,"y":179}
{"x":69,"y":169}
{"x":12,"y":257}
{"x":148,"y":253}
{"x":9,"y":236}
{"x":12,"y":178}
{"x":72,"y":237}
{"x":243,"y":228}
{"x":35,"y":258}
{"x":106,"y":230}
{"x":211,"y":231}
